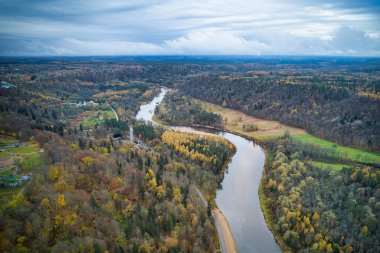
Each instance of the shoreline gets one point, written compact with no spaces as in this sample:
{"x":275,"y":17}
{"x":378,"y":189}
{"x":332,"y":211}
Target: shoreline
{"x":261,"y":193}
{"x":226,"y":239}
{"x":264,"y":209}
{"x":224,"y":232}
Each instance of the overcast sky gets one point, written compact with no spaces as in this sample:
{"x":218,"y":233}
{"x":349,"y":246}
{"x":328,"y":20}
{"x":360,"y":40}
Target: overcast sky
{"x":166,"y":27}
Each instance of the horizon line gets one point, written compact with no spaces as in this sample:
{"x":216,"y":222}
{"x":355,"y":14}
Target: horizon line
{"x":193,"y":55}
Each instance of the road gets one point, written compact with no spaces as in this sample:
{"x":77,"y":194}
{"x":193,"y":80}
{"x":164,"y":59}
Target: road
{"x":116,"y":116}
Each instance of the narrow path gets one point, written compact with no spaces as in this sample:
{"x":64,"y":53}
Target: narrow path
{"x":116,"y":116}
{"x":201,"y":196}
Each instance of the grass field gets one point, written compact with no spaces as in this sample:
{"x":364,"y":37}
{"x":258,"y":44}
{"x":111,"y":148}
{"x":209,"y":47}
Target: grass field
{"x":97,"y":118}
{"x":32,"y":161}
{"x":268,"y":129}
{"x":28,"y":156}
{"x":24,"y":150}
{"x":234,"y":121}
{"x":345,"y":152}
{"x":5,"y":154}
{"x":333,"y":166}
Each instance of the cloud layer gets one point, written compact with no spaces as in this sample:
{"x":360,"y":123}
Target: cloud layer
{"x":157,"y":27}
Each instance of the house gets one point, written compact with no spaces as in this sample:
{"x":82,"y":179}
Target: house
{"x":84,"y":103}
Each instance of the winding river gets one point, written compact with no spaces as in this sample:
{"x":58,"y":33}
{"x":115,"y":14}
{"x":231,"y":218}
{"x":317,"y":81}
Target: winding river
{"x":238,"y":199}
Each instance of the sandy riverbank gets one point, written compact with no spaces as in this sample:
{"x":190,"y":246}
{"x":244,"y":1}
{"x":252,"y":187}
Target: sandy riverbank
{"x":228,"y":239}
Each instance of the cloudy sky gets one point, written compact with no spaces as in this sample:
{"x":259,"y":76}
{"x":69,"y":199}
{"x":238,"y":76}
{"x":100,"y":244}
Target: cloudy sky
{"x":168,"y":27}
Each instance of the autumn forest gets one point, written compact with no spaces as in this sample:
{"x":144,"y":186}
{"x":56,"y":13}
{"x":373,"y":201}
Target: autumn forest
{"x":80,"y":172}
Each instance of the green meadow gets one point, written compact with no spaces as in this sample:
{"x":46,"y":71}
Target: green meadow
{"x":97,"y":118}
{"x":333,"y":166}
{"x":350,"y":153}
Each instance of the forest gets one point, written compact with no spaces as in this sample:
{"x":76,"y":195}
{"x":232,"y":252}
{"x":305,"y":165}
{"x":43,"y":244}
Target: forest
{"x":178,"y":109}
{"x":337,"y":107}
{"x":315,"y":208}
{"x":72,"y":178}
{"x":93,"y":189}
{"x":318,"y":209}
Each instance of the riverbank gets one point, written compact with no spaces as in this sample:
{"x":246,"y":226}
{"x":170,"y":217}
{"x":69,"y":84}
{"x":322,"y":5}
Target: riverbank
{"x":221,"y":222}
{"x":226,"y":231}
{"x":228,"y":239}
{"x":235,"y":121}
{"x":263,"y":204}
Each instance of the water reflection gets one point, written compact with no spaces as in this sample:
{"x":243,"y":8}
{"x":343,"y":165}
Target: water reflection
{"x":146,"y":111}
{"x":238,"y":199}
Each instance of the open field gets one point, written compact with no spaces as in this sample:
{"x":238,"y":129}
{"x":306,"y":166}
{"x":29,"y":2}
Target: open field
{"x":96,"y":117}
{"x":25,"y":156}
{"x":270,"y":129}
{"x":333,"y":166}
{"x":236,"y":120}
{"x":24,"y":150}
{"x":353,"y":154}
{"x":32,"y":161}
{"x":5,"y":154}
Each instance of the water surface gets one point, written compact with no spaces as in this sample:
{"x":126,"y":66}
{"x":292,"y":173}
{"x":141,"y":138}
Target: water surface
{"x":238,"y":199}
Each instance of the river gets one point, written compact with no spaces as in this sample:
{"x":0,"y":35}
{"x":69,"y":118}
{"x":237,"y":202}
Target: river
{"x":238,"y":199}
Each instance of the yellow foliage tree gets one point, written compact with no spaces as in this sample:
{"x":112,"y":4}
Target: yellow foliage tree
{"x":129,"y":210}
{"x":152,"y":184}
{"x":45,"y":203}
{"x":160,"y":192}
{"x":61,"y":200}
{"x":53,"y":173}
{"x":70,"y":220}
{"x":322,"y":245}
{"x":150,"y":174}
{"x":318,"y":237}
{"x":306,"y":220}
{"x":177,"y":194}
{"x":194,"y":219}
{"x":271,"y":184}
{"x":329,"y":248}
{"x":315,"y":216}
{"x":87,"y":161}
{"x":170,"y":242}
{"x":58,"y":220}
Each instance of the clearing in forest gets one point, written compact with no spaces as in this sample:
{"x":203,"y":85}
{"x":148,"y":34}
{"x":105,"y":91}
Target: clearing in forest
{"x":236,"y":121}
